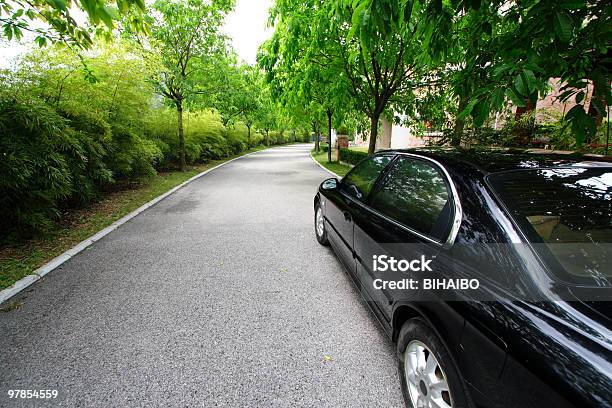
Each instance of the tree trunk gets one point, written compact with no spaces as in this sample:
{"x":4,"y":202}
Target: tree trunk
{"x":248,"y":137}
{"x":373,"y":133}
{"x":524,"y":133}
{"x":314,"y":128}
{"x":459,"y":123}
{"x":329,"y":135}
{"x":522,"y":111}
{"x":267,"y":137}
{"x":181,"y":135}
{"x":593,"y":111}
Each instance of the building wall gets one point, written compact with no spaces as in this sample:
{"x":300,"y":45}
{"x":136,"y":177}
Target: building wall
{"x":393,"y":137}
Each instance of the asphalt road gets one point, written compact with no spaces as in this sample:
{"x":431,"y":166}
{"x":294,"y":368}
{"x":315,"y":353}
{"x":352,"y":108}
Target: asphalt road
{"x":217,"y":296}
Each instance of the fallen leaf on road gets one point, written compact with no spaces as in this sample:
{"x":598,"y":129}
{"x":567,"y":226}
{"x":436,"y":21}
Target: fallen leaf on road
{"x":11,"y":306}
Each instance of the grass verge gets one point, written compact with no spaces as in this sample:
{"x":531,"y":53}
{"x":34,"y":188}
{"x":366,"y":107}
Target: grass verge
{"x":339,"y":168}
{"x":19,"y":260}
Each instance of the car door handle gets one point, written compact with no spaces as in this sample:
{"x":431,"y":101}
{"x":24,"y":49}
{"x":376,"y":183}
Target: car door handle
{"x":347,"y":216}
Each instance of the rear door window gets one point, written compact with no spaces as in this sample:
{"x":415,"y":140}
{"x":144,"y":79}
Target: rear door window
{"x":359,"y":181}
{"x":569,"y":211}
{"x":415,"y":194}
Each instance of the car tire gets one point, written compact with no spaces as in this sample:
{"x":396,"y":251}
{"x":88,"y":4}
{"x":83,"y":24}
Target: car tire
{"x":436,"y":379}
{"x":320,"y":230}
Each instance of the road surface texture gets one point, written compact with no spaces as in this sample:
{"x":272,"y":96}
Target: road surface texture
{"x":219,"y":295}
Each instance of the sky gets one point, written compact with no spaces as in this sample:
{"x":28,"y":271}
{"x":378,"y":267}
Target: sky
{"x":246,"y":26}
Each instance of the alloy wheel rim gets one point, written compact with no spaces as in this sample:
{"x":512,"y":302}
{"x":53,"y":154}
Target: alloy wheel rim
{"x":319,"y":222}
{"x":425,"y":379}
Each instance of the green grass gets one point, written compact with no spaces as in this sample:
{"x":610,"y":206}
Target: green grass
{"x":338,"y":168}
{"x":19,"y":260}
{"x":359,"y":149}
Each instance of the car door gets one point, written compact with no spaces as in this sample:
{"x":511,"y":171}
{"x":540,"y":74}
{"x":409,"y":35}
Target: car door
{"x":410,"y":214}
{"x":345,"y":202}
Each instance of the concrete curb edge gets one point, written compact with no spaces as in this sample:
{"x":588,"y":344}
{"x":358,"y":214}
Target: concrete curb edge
{"x":321,"y":166}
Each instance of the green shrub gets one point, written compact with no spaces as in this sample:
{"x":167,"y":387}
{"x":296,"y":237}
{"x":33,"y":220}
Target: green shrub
{"x":205,"y":130}
{"x":39,"y":153}
{"x":342,"y":130}
{"x":352,"y":156}
{"x":237,"y":137}
{"x":160,"y":126}
{"x":131,"y":156}
{"x":65,"y":139}
{"x":256,"y":138}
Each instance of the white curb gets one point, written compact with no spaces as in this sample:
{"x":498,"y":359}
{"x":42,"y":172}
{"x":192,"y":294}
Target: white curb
{"x":323,"y":167}
{"x":26,"y":281}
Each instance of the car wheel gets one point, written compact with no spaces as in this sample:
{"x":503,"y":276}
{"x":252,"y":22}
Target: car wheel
{"x":428,"y":374}
{"x":320,"y":231}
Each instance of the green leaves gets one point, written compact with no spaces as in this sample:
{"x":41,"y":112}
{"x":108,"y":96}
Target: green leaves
{"x":59,"y":25}
{"x":521,"y":84}
{"x":515,"y":98}
{"x":59,"y":4}
{"x":572,"y":4}
{"x":187,"y":41}
{"x":107,"y":15}
{"x":582,"y":124}
{"x":498,"y":98}
{"x":40,"y":41}
{"x":11,"y":31}
{"x":563,"y":26}
{"x":8,"y":31}
{"x":480,"y":112}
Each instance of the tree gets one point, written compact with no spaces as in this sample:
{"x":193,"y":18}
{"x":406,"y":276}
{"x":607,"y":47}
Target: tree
{"x":238,"y":95}
{"x":266,"y":117}
{"x":371,"y":44}
{"x":252,"y":103}
{"x":518,"y":46}
{"x":59,"y":24}
{"x":186,"y":38}
{"x":296,"y":71}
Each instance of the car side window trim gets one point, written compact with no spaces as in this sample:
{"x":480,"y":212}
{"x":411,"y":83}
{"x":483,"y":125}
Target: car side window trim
{"x":454,"y":199}
{"x":376,"y":181}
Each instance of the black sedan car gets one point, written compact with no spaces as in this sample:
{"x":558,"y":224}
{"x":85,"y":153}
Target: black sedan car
{"x":491,"y":271}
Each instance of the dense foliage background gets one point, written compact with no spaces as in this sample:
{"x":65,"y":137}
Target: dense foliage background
{"x":69,"y":134}
{"x":472,"y":70}
{"x":137,"y":89}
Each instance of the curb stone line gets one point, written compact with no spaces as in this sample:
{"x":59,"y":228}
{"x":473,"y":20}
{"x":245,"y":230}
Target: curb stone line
{"x":321,"y":166}
{"x":28,"y":280}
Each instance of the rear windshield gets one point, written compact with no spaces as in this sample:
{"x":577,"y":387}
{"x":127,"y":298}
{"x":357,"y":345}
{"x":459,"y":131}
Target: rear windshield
{"x":569,"y":211}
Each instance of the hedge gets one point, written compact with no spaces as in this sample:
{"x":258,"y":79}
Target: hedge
{"x":54,"y":160}
{"x":66,"y":141}
{"x":352,"y":156}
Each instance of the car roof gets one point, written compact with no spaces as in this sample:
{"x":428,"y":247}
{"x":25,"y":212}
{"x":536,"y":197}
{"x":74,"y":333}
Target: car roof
{"x":499,"y":160}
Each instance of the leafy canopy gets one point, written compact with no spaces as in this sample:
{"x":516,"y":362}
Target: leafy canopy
{"x":56,"y":20}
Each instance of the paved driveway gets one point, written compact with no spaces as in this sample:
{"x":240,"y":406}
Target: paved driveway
{"x":217,"y":296}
